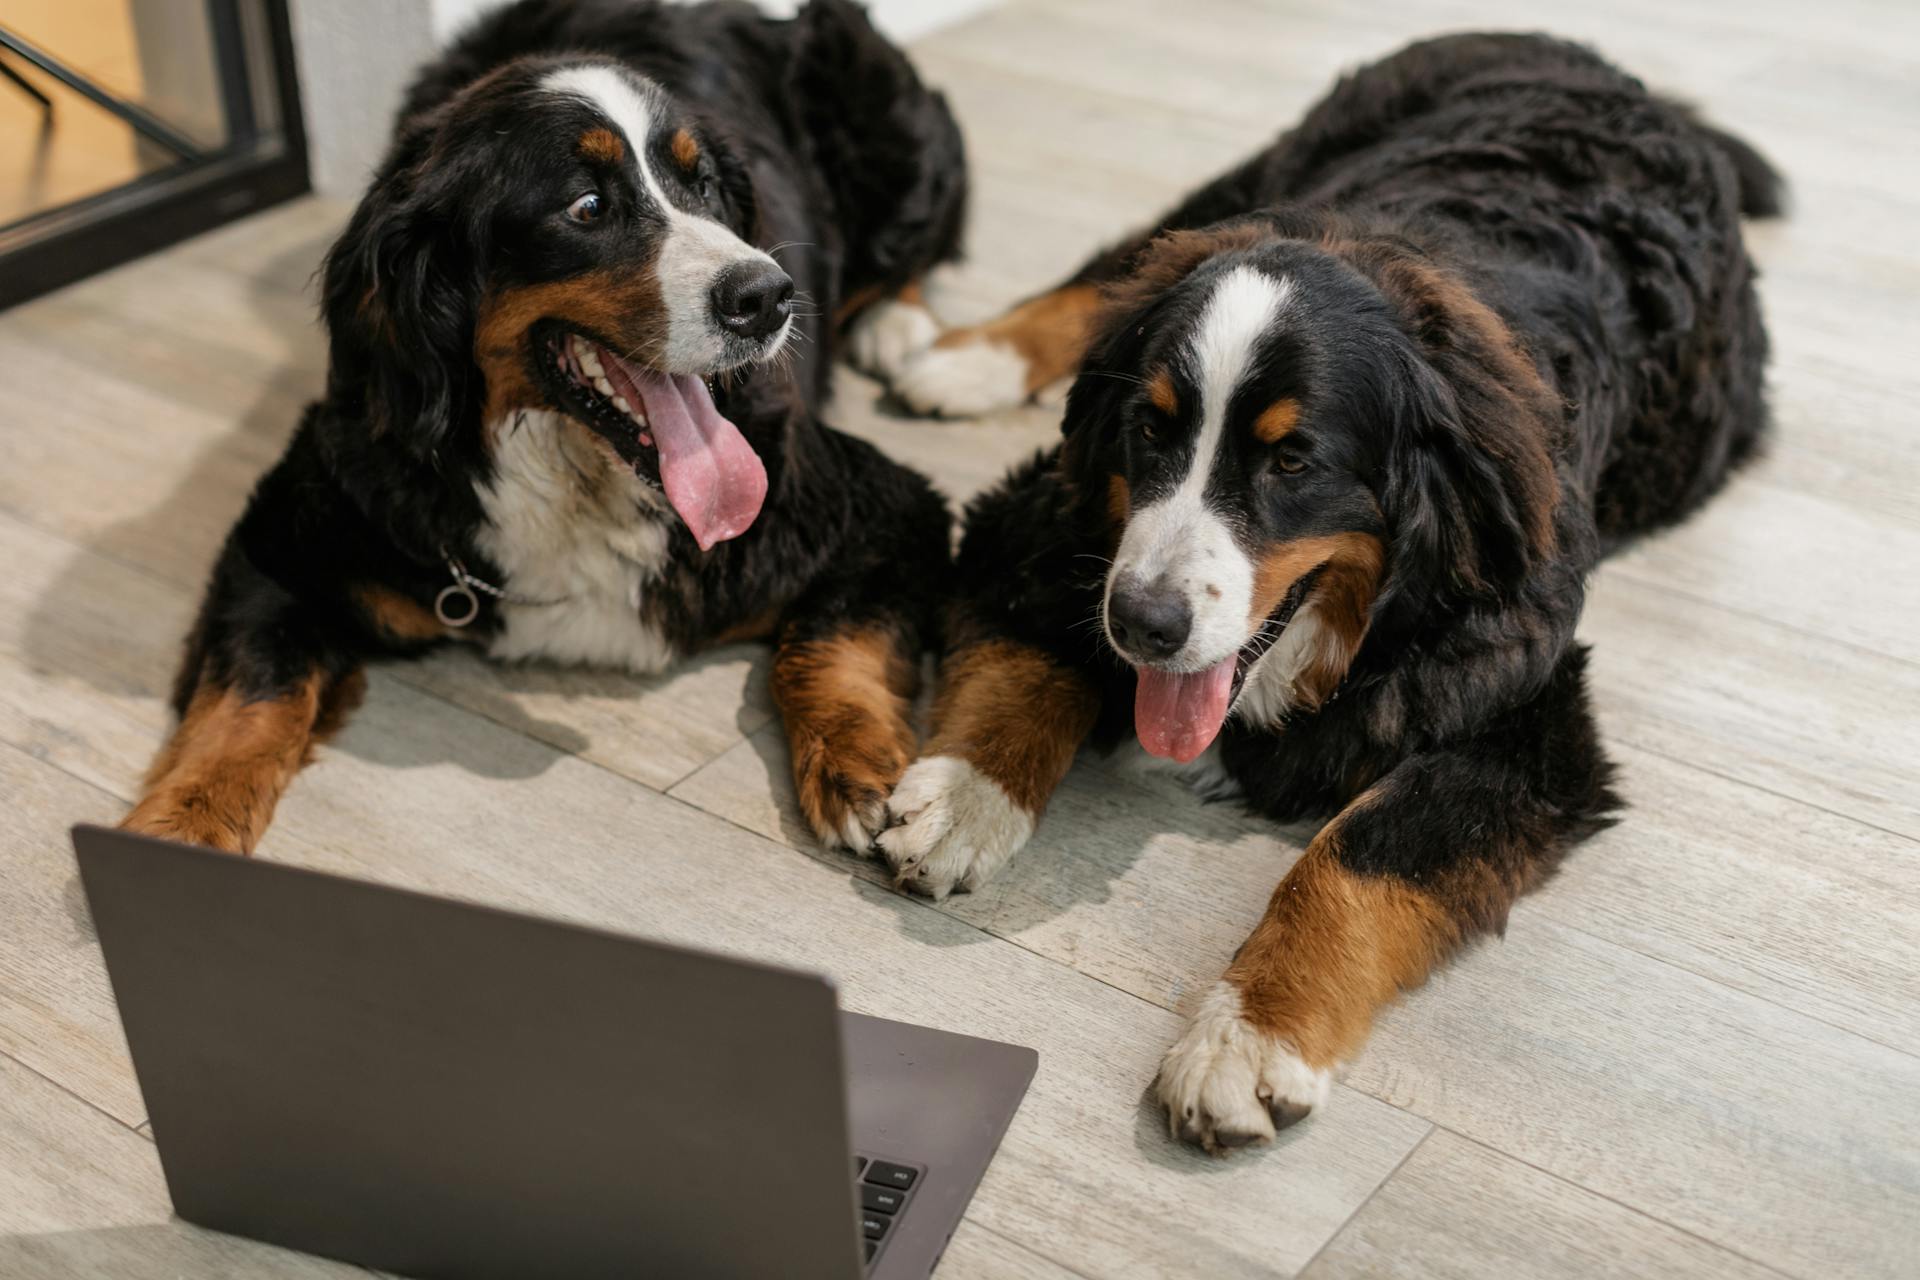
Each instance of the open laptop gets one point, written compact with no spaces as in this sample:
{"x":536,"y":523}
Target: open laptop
{"x":447,"y":1090}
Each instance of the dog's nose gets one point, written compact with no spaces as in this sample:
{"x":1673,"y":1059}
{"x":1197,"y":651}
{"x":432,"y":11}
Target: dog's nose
{"x":753,"y":298}
{"x":1149,"y":623}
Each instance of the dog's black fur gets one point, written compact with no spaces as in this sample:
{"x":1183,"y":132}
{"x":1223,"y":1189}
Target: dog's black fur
{"x":1522,"y":330}
{"x":812,"y":137}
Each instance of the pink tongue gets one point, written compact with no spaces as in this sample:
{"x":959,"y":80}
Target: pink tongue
{"x":713,"y":477}
{"x":1177,"y":716}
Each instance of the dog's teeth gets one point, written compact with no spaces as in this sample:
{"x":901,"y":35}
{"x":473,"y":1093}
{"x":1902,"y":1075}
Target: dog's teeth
{"x":620,"y":403}
{"x":590,"y":361}
{"x":601,"y":384}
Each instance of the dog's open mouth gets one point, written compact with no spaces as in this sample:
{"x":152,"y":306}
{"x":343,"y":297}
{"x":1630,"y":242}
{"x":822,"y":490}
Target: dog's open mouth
{"x":664,"y":424}
{"x":1178,"y":714}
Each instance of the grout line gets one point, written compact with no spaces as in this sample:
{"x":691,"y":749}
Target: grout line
{"x":1668,"y":962}
{"x":1621,"y":568}
{"x":1635,"y":1210}
{"x":80,"y":1098}
{"x":1623,"y":740}
{"x":1360,"y":1208}
{"x":1018,"y":1243}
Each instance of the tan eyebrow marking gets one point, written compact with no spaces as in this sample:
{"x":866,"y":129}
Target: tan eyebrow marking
{"x":602,"y":145}
{"x":1277,"y":420}
{"x":686,"y":151}
{"x":1160,"y":393}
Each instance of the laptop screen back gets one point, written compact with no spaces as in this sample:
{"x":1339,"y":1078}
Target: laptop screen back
{"x":443,"y":1089}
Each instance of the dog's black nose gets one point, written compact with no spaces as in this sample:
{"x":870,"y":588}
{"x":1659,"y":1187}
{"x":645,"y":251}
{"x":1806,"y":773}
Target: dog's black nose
{"x":753,"y":298}
{"x":1150,"y":623}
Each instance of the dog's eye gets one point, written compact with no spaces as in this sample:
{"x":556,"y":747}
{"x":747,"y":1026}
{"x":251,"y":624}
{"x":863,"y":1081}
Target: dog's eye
{"x":1289,"y":463}
{"x":586,"y":208}
{"x":706,"y":189}
{"x":1149,"y":432}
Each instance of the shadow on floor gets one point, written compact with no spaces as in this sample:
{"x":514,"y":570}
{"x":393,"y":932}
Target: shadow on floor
{"x":1098,"y":825}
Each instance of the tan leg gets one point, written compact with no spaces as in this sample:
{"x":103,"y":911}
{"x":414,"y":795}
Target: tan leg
{"x":846,"y":701}
{"x":218,"y":779}
{"x":1423,"y":862}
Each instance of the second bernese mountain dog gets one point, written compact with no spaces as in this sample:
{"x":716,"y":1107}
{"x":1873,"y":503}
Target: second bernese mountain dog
{"x":580,"y":329}
{"x":1351,"y":427}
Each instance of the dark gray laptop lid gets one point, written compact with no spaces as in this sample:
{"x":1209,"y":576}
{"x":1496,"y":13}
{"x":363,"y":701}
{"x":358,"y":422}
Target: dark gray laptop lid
{"x":441,"y":1089}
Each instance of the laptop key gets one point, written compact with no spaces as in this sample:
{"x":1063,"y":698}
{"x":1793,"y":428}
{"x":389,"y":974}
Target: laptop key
{"x":874,"y":1225}
{"x":881,"y":1199}
{"x":887,"y":1174}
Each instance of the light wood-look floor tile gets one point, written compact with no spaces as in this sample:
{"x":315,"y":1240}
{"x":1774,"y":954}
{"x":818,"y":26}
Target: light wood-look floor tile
{"x":1457,"y":1211}
{"x":81,"y":1196}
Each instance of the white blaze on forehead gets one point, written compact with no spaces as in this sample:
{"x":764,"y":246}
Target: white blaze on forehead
{"x":695,"y":249}
{"x":1179,"y":540}
{"x":625,"y":105}
{"x":1244,"y":306}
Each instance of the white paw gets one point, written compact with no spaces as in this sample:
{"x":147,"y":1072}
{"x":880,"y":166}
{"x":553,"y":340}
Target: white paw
{"x":963,"y":381}
{"x":954,"y":827}
{"x":887,"y":335}
{"x":1226,"y":1084}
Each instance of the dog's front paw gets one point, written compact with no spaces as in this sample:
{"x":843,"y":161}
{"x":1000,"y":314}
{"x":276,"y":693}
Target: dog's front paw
{"x":842,"y":787}
{"x":951,"y":827}
{"x":1225,"y":1083}
{"x":886,"y":336}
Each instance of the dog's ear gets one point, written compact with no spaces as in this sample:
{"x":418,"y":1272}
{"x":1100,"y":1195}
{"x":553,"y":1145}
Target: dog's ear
{"x":736,"y":189}
{"x":401,"y":288}
{"x":1108,"y":371}
{"x":1470,"y":486}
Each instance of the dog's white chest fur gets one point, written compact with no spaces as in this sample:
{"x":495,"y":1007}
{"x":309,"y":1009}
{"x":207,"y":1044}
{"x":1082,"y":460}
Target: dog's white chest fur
{"x":580,"y":535}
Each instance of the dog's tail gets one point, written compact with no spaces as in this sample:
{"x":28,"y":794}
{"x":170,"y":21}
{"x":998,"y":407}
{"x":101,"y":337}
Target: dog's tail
{"x":1763,"y":192}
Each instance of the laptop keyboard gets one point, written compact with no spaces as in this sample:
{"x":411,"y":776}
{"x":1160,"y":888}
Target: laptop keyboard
{"x":886,"y":1187}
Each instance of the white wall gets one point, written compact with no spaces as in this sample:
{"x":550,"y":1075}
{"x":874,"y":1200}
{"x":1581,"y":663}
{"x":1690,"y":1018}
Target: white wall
{"x":356,"y":57}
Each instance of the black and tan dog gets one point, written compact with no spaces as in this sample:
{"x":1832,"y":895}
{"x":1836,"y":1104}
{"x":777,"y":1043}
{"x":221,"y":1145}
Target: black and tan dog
{"x":1348,"y":435}
{"x":570,"y":412}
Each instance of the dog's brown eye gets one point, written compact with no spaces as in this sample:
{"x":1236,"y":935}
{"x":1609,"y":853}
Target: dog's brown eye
{"x":706,"y":189}
{"x":1147,"y":432}
{"x":1290,"y":463}
{"x":586,"y":208}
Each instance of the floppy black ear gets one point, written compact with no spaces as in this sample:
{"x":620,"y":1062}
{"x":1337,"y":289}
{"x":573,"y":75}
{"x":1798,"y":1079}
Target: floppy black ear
{"x":1470,"y":485}
{"x":401,"y":290}
{"x":1108,"y":371}
{"x":1460,"y":518}
{"x":736,"y":189}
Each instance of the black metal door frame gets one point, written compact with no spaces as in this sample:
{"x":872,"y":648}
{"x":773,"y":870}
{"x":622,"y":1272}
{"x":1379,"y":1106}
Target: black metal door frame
{"x":58,"y":246}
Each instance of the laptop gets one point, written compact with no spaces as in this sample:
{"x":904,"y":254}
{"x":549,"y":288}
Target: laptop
{"x":440,"y":1089}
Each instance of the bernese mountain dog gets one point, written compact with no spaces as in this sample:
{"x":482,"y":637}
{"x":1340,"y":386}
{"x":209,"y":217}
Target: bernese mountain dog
{"x":580,"y":328}
{"x":1351,"y":427}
